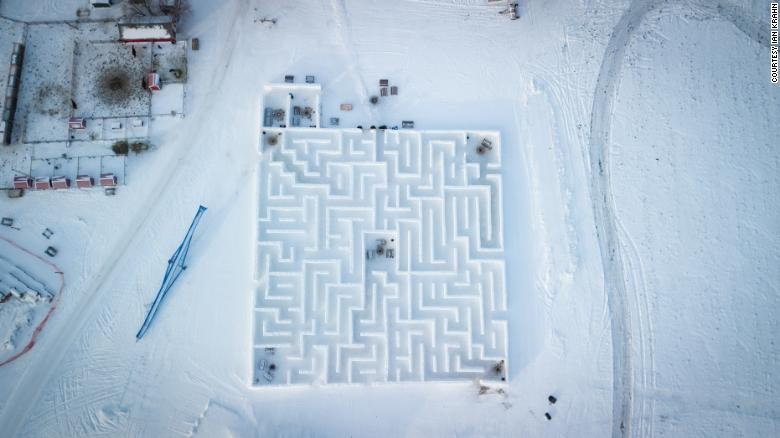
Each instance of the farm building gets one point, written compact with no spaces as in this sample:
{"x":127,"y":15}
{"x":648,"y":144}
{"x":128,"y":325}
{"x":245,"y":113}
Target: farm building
{"x":84,"y":181}
{"x":22,"y":182}
{"x":147,"y":30}
{"x":42,"y":183}
{"x":107,"y":179}
{"x":77,"y":123}
{"x":153,"y":81}
{"x":60,"y":182}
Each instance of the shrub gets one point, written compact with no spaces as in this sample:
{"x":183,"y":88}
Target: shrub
{"x":139,"y":146}
{"x":120,"y":147}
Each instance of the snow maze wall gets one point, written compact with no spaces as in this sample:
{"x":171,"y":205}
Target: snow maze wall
{"x":380,"y":257}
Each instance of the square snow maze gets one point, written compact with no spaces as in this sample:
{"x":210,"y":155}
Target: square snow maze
{"x":379,"y":257}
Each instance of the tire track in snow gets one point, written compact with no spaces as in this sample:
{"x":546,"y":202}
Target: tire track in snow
{"x":615,"y":284}
{"x":345,"y":35}
{"x":626,"y":372}
{"x":644,"y":377}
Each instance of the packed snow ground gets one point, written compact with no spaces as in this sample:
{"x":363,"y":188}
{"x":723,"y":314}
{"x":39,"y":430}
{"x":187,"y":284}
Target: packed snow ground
{"x":675,"y":335}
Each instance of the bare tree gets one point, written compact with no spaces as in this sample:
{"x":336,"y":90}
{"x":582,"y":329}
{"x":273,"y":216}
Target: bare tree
{"x":174,"y":8}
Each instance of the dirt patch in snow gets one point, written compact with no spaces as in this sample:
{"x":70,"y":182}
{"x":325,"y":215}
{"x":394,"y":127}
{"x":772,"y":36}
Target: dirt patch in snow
{"x":52,"y":99}
{"x":114,"y":86}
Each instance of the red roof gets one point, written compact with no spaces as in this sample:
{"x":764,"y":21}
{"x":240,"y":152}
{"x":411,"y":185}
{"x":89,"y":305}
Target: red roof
{"x":60,"y":182}
{"x":107,"y":179}
{"x":42,"y":183}
{"x":153,"y":81}
{"x":84,"y":181}
{"x":77,"y":123}
{"x":22,"y":182}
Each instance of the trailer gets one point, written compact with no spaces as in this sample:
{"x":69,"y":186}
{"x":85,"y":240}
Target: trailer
{"x":153,"y":81}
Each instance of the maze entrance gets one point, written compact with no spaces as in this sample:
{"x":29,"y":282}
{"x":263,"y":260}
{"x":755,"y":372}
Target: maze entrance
{"x":379,"y":257}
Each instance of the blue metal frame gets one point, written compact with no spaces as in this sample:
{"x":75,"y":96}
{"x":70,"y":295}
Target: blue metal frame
{"x":176,"y":265}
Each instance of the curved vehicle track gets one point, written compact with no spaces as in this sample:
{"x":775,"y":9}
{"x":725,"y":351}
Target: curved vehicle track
{"x":623,"y":273}
{"x":623,"y":401}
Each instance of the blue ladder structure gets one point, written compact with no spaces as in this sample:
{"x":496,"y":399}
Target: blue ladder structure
{"x":176,"y":265}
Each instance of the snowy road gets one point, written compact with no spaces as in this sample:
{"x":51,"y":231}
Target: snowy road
{"x":625,"y":371}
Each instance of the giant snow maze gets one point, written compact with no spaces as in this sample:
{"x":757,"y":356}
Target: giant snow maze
{"x":379,"y":257}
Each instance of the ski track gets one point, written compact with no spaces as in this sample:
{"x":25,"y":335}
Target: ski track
{"x":624,"y":280}
{"x":344,"y":33}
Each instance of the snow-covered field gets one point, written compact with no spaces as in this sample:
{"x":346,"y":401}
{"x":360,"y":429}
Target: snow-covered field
{"x":639,"y":190}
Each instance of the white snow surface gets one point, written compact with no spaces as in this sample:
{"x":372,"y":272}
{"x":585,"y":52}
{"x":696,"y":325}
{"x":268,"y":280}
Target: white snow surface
{"x":640,"y":195}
